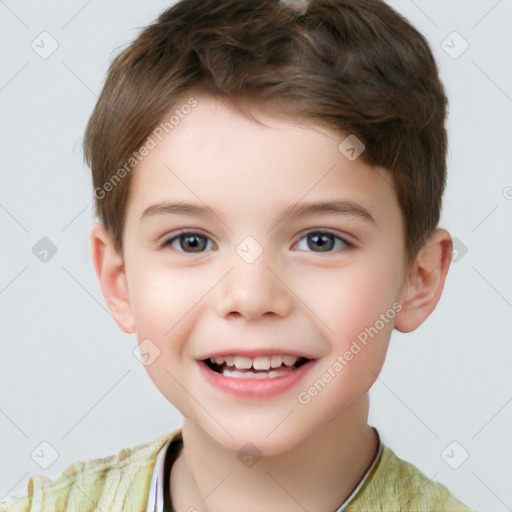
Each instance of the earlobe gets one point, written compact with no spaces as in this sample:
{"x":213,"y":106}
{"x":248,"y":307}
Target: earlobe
{"x":425,"y":281}
{"x":110,"y":271}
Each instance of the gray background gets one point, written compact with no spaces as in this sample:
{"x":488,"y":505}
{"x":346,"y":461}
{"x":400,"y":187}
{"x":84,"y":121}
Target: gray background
{"x":69,"y":378}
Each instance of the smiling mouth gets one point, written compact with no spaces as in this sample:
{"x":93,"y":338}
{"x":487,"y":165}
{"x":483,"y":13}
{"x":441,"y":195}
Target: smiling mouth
{"x":242,"y":367}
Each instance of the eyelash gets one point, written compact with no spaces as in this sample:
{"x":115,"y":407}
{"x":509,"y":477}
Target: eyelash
{"x":346,"y":245}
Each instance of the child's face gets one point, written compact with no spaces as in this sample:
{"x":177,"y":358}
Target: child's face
{"x":252,"y":282}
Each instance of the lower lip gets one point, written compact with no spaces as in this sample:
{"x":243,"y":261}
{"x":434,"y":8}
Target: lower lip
{"x":255,"y":388}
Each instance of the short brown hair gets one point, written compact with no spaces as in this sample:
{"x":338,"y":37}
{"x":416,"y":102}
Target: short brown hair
{"x":355,"y":65}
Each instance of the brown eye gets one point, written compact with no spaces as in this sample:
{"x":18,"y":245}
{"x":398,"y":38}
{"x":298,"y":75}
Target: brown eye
{"x":189,"y":243}
{"x":319,"y":241}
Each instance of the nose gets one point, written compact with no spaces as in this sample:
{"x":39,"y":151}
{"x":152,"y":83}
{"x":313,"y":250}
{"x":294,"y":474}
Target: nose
{"x":253,"y":290}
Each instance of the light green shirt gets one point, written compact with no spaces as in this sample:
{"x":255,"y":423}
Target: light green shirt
{"x":121,"y":483}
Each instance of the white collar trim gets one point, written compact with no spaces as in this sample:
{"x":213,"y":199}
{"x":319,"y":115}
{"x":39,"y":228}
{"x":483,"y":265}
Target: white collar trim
{"x":156,"y":489}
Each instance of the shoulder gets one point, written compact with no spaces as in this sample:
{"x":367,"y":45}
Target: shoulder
{"x":117,"y":482}
{"x":398,"y":486}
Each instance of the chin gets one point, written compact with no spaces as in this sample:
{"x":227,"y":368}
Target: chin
{"x":254,"y":439}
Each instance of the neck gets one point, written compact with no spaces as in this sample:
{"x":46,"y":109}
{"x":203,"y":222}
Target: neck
{"x":319,"y":474}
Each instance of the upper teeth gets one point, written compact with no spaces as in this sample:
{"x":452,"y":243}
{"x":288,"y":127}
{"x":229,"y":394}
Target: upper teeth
{"x":258,"y":363}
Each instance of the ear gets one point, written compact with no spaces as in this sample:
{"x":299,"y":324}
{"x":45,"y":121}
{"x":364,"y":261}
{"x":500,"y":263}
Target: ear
{"x":110,"y":271}
{"x":424,"y":283}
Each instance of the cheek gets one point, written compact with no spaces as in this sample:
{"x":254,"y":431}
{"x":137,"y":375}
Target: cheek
{"x":362,"y":321}
{"x":159,"y":298}
{"x":163,"y":309}
{"x":352,"y":301}
{"x":357,"y":312}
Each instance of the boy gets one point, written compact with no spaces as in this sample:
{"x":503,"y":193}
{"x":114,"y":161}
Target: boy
{"x":300,"y":151}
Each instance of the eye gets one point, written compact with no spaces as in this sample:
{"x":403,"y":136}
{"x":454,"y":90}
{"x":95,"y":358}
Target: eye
{"x":190,"y":242}
{"x":321,"y":241}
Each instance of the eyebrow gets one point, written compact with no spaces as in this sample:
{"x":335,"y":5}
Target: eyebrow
{"x":290,"y":212}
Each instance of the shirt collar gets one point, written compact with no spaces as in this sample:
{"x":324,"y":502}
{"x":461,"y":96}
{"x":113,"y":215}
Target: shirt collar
{"x":156,"y":489}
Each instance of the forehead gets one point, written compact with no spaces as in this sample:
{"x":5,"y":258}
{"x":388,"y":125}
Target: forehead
{"x":215,"y":154}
